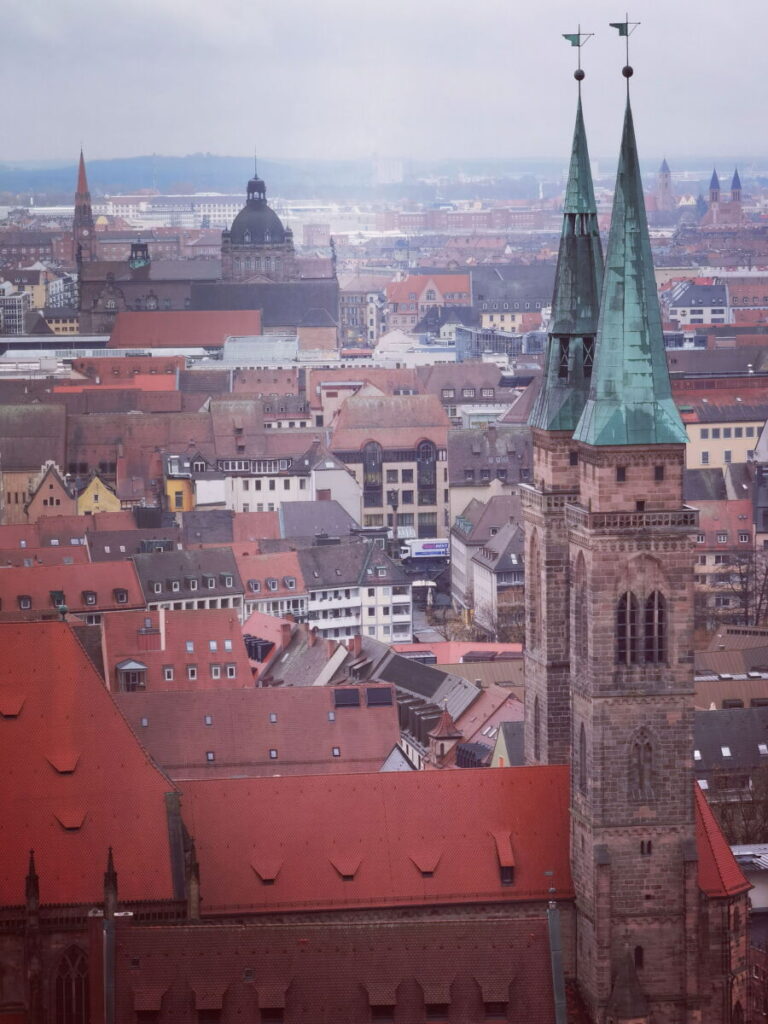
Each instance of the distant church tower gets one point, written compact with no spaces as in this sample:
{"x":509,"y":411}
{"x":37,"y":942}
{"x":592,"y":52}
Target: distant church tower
{"x":714,"y":187}
{"x":571,"y":347}
{"x":665,"y":198}
{"x":257,"y":247}
{"x":82,"y":226}
{"x":736,"y":187}
{"x":609,"y":596}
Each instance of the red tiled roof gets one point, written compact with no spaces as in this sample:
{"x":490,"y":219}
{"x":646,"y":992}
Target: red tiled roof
{"x":335,"y":973}
{"x":446,"y":284}
{"x":384,"y":821}
{"x":182,"y":329}
{"x":141,"y":381}
{"x":76,"y":780}
{"x":718,"y":873}
{"x":395,"y":421}
{"x":276,"y":565}
{"x":51,"y":555}
{"x":163,"y":643}
{"x":255,"y":526}
{"x":236,"y":727}
{"x":40,"y":581}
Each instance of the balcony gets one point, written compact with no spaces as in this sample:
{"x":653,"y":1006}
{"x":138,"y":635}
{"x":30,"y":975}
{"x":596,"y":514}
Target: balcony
{"x":682,"y":520}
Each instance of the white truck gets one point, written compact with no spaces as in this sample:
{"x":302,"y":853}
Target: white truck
{"x":420,"y":550}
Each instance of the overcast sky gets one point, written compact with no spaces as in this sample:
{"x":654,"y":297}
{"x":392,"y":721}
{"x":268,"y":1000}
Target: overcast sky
{"x":350,"y":78}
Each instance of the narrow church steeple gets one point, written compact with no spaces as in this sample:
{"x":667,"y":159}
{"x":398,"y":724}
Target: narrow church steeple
{"x":630,"y":400}
{"x":576,"y":297}
{"x":82,"y":224}
{"x":714,"y":187}
{"x":736,"y":187}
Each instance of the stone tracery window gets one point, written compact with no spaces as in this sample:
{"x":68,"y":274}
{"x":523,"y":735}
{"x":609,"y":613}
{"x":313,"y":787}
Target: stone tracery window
{"x":655,"y":628}
{"x":626,"y":630}
{"x":71,"y":988}
{"x":641,"y":766}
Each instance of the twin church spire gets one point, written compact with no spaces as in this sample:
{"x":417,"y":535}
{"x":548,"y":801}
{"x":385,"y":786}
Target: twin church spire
{"x":606,"y":378}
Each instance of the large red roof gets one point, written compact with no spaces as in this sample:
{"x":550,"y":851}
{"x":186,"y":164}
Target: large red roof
{"x":719,"y":874}
{"x":404,"y":838}
{"x":39,"y":583}
{"x":75,"y":780}
{"x":182,"y":328}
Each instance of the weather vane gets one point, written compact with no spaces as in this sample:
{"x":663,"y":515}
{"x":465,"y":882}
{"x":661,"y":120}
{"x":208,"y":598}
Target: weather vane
{"x":626,"y":28}
{"x":578,"y":39}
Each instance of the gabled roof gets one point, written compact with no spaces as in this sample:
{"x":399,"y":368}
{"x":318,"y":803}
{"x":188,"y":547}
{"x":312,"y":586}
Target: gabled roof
{"x":81,"y":782}
{"x":43,"y":584}
{"x":630,"y":400}
{"x":241,"y":727}
{"x":351,"y":564}
{"x":395,"y":421}
{"x":718,"y":873}
{"x":312,"y":831}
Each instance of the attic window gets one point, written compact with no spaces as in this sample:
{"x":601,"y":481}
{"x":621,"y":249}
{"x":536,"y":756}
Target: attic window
{"x":254,"y":585}
{"x":336,"y":751}
{"x":346,"y":698}
{"x":378,"y":696}
{"x":273,"y":754}
{"x":144,"y":723}
{"x":121,"y":595}
{"x":762,"y":749}
{"x":57,"y":598}
{"x":697,"y":755}
{"x":725,"y":751}
{"x":210,"y":755}
{"x":89,"y":596}
{"x":25,"y":602}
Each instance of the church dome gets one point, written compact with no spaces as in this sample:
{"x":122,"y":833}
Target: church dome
{"x":257,"y":224}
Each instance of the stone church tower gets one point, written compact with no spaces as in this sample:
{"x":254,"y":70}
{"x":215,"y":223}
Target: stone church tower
{"x":575,"y":307}
{"x":83,"y":239}
{"x":609,"y":670}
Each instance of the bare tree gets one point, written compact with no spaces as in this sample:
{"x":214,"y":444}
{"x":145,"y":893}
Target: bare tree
{"x":740,"y":803}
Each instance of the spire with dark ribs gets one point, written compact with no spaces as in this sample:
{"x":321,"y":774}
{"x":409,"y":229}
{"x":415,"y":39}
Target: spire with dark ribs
{"x":576,"y":298}
{"x":82,"y":224}
{"x":630,"y":399}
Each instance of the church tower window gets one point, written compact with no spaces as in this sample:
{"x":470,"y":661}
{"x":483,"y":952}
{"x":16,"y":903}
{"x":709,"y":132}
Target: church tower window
{"x":626,"y":630}
{"x":639,"y":957}
{"x":655,"y":628}
{"x":641,"y":766}
{"x":582,"y":759}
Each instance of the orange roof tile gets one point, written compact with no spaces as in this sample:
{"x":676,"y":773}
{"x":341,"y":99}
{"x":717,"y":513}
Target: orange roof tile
{"x":77,"y":780}
{"x":183,"y":328}
{"x":382,"y":820}
{"x":40,"y":582}
{"x":718,"y":872}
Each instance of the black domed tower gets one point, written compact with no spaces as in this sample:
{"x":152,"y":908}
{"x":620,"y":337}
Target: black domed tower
{"x":257,"y":246}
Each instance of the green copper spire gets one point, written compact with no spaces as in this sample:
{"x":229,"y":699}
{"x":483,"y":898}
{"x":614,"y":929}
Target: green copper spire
{"x":630,"y":399}
{"x":576,"y":298}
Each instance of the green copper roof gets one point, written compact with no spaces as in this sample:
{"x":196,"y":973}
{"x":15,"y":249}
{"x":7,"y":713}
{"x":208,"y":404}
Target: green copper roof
{"x":630,"y":399}
{"x":576,"y":298}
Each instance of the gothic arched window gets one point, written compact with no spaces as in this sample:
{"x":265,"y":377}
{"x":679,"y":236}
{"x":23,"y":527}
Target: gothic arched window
{"x":534,"y":592}
{"x":626,"y":629}
{"x":71,"y":988}
{"x":655,"y":628}
{"x":580,"y":632}
{"x":582,"y":759}
{"x":536,"y":730}
{"x":641,"y":766}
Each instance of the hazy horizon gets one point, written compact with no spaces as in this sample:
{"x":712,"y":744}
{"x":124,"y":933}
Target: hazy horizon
{"x":336,"y":80}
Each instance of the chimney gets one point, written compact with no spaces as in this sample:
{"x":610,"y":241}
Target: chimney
{"x":491,"y":432}
{"x":193,"y":884}
{"x":355,"y":645}
{"x":312,"y":636}
{"x":285,"y":634}
{"x":110,"y":887}
{"x":481,"y":685}
{"x":161,"y":626}
{"x":330,"y":646}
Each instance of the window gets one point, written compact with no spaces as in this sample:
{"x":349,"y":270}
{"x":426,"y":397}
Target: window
{"x":725,"y":751}
{"x":655,"y":628}
{"x":273,"y":754}
{"x":726,"y":432}
{"x":231,"y":671}
{"x":215,"y":671}
{"x":727,"y":455}
{"x":210,"y":755}
{"x":192,"y":672}
{"x":336,"y":751}
{"x":715,"y":433}
{"x":700,"y":538}
{"x":705,"y":458}
{"x":621,"y":474}
{"x":212,"y":645}
{"x":227,"y":645}
{"x":722,"y":538}
{"x":71,"y":988}
{"x":273,"y":717}
{"x":704,"y":433}
{"x":175,"y":586}
{"x":626,"y":630}
{"x":744,"y":538}
{"x":189,"y":646}
{"x":658,"y":473}
{"x":168,"y":673}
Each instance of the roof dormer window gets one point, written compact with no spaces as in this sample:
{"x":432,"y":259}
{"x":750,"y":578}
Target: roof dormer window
{"x":25,"y":602}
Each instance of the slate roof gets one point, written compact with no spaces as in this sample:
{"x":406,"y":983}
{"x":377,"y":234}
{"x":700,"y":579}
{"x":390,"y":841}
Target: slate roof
{"x":704,"y":484}
{"x":513,"y":282}
{"x":740,"y":731}
{"x":245,"y":725}
{"x":207,"y":526}
{"x":309,"y":518}
{"x":76,"y":771}
{"x":156,"y":270}
{"x":344,"y":565}
{"x":506,"y":447}
{"x":186,"y":567}
{"x":701,"y":295}
{"x":281,"y":305}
